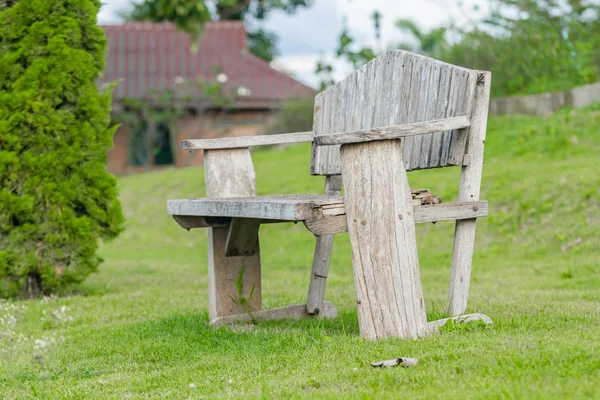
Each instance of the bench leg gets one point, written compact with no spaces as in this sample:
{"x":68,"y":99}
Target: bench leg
{"x":470,"y":184}
{"x":234,"y":282}
{"x":322,"y":257}
{"x":224,"y":275}
{"x":381,"y":226}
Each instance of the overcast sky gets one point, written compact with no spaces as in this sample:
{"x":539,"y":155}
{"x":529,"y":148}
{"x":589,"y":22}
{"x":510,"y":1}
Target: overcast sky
{"x":308,"y":34}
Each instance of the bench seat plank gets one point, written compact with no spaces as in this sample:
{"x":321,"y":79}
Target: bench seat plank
{"x":326,"y":214}
{"x":282,"y":207}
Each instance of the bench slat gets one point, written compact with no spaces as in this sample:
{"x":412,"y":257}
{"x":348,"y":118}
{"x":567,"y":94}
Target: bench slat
{"x":393,"y":132}
{"x":326,"y":214}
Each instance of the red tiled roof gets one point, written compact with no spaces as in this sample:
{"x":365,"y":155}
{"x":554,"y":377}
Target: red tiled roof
{"x":146,"y":56}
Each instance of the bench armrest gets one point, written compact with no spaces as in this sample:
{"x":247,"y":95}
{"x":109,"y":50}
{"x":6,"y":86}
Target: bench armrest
{"x":393,"y":132}
{"x":247,"y":141}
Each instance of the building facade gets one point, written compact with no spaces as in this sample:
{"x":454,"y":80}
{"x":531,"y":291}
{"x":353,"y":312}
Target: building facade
{"x":151,"y":62}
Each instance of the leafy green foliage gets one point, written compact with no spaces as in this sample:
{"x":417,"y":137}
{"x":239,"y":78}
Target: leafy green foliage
{"x":427,"y":43}
{"x":530,"y":46}
{"x":189,"y":15}
{"x":533,"y":46}
{"x":294,"y":116}
{"x":56,"y":197}
{"x":192,"y":15}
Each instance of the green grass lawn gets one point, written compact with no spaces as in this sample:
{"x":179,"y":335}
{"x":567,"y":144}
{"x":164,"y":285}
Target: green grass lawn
{"x":139,"y":326}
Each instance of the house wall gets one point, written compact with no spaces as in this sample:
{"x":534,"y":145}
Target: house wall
{"x":188,"y":127}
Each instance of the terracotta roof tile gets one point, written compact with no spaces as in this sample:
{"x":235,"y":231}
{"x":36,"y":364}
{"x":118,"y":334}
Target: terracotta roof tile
{"x":146,"y":56}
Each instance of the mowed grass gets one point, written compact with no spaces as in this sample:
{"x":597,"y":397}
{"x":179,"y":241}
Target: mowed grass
{"x":140,"y":325}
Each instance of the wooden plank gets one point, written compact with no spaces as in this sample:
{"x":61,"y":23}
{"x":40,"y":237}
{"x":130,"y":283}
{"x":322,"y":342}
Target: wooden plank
{"x":423,"y":214}
{"x":242,"y":239}
{"x":380,"y":219}
{"x":417,"y":145}
{"x":408,"y":145}
{"x":282,"y":207}
{"x":326,"y":161}
{"x":440,"y":112}
{"x":465,"y":105}
{"x":230,"y":173}
{"x":431,"y":106}
{"x":289,"y":312}
{"x":455,"y":83}
{"x":247,"y":141}
{"x":318,"y":116}
{"x":322,"y":256}
{"x":393,"y":132}
{"x":470,"y":185}
{"x":193,"y":222}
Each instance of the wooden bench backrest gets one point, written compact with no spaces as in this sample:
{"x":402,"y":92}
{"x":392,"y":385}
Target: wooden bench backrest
{"x":395,"y":88}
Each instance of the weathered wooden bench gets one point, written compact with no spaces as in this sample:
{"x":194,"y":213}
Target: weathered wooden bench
{"x":400,"y":112}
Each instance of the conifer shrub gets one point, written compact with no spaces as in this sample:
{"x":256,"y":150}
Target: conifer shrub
{"x":56,"y":197}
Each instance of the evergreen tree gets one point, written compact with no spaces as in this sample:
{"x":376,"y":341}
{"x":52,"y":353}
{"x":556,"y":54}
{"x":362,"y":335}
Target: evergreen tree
{"x":56,"y":197}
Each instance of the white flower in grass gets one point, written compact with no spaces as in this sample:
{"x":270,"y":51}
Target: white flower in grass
{"x":192,"y":386}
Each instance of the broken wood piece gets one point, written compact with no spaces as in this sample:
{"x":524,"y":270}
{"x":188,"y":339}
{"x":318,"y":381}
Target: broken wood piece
{"x":405,"y":362}
{"x":435,"y":326}
{"x":423,"y":197}
{"x":293,"y":312}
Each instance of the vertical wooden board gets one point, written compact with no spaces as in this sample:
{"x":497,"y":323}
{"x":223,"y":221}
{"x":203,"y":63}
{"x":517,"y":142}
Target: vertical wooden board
{"x":464,"y":107}
{"x":412,"y":105}
{"x":432,"y":99}
{"x":404,"y":98}
{"x":407,"y":66}
{"x":440,"y":112}
{"x":315,"y":303}
{"x":330,"y":103}
{"x":223,"y":272}
{"x":470,"y":185}
{"x":337,"y":124}
{"x":350,"y":101}
{"x":380,"y":98}
{"x":230,"y":173}
{"x":393,"y":85}
{"x":421,"y":114}
{"x":381,"y":229}
{"x":318,"y":129}
{"x":367,"y":95}
{"x":455,"y":84}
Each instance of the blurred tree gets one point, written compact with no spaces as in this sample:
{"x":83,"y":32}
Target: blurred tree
{"x":294,"y":116}
{"x":191,"y":16}
{"x":427,"y":43}
{"x":532,"y":46}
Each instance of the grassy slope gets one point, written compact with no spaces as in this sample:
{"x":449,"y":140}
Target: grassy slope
{"x":141,"y":331}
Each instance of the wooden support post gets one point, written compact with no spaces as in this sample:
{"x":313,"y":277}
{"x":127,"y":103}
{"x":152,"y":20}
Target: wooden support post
{"x":381,"y":226}
{"x":470,"y":184}
{"x":322,"y":257}
{"x":230,"y":173}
